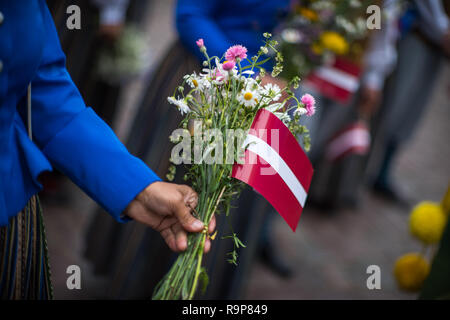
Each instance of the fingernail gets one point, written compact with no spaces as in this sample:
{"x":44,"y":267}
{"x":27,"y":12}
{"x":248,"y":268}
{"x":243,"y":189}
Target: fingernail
{"x":197,"y":224}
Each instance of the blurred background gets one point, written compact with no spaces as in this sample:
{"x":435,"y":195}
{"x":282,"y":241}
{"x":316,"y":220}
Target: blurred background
{"x":127,"y":56}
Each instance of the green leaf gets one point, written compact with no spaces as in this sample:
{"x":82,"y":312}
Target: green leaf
{"x":239,"y":242}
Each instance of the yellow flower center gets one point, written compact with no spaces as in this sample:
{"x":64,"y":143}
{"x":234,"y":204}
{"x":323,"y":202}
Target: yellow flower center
{"x":248,"y":96}
{"x":194,"y":81}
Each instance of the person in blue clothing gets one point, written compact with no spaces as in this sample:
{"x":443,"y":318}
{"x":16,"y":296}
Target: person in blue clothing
{"x":222,"y":24}
{"x":44,"y":123}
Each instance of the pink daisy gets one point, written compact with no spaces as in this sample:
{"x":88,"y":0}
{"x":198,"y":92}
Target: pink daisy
{"x":234,"y":52}
{"x":310,"y":104}
{"x":229,"y":65}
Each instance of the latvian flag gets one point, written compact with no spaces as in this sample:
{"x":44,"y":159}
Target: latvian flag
{"x":352,"y":139}
{"x":338,"y":81}
{"x":276,"y":166}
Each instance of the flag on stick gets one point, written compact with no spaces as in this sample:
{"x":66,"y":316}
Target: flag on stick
{"x":353,"y":139}
{"x":276,"y":166}
{"x":338,"y":81}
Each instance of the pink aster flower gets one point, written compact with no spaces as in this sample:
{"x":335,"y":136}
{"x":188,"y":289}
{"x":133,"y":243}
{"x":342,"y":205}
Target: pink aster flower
{"x":235,"y":52}
{"x":217,"y":75}
{"x":310,"y":104}
{"x":229,"y":65}
{"x":200,"y":43}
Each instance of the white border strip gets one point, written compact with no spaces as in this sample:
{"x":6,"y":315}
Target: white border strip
{"x":354,"y":138}
{"x":266,"y":152}
{"x":339,"y":78}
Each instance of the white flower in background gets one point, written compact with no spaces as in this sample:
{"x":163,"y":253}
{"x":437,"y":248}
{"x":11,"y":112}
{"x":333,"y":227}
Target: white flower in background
{"x":180,"y":104}
{"x":273,"y":91}
{"x":248,"y":72}
{"x":275,"y":106}
{"x":129,"y":57}
{"x":291,"y":35}
{"x":300,"y":111}
{"x":249,"y":96}
{"x":345,"y":24}
{"x":361,"y":27}
{"x":283,"y":116}
{"x":355,"y":3}
{"x":250,"y":83}
{"x":322,"y":5}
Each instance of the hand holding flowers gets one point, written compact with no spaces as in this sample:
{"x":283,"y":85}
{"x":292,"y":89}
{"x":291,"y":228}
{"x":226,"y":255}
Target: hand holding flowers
{"x":225,"y":96}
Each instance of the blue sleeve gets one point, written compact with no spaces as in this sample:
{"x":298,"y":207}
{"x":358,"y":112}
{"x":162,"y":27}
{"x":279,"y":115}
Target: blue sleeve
{"x":76,"y":140}
{"x":195,"y":20}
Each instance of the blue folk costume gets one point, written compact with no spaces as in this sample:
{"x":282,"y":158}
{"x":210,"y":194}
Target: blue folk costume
{"x":66,"y":135}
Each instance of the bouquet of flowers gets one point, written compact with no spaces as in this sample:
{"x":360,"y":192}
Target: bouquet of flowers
{"x":224,"y":98}
{"x":318,"y":30}
{"x":128,"y":58}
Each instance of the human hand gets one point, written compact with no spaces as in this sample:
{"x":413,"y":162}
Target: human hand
{"x":166,"y":207}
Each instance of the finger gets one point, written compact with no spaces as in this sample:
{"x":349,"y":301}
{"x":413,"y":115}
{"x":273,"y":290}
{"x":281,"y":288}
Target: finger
{"x":187,"y":220}
{"x":212,"y":225}
{"x":169,"y":237}
{"x":166,"y":222}
{"x":207,"y":245}
{"x":180,"y":237}
{"x":189,"y":195}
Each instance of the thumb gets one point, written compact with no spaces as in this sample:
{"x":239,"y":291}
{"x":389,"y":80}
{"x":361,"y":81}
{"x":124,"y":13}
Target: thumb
{"x":187,"y":220}
{"x":183,"y":210}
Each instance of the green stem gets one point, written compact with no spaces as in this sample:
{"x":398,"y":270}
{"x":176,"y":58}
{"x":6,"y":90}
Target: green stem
{"x":199,"y":264}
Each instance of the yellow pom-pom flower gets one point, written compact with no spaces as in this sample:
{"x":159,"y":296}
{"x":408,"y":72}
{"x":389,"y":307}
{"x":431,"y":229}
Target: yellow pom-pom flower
{"x":427,"y":222}
{"x":410,"y":271}
{"x":334,"y":42}
{"x":317,"y":48}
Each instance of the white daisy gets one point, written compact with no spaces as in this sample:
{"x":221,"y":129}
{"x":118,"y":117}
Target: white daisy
{"x":180,"y":104}
{"x":300,"y":111}
{"x":249,"y":97}
{"x":283,"y":116}
{"x":195,"y":81}
{"x":250,"y":83}
{"x":275,"y":106}
{"x":273,"y":91}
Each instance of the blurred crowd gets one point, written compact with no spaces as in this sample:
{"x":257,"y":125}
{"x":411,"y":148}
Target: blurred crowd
{"x":371,"y":90}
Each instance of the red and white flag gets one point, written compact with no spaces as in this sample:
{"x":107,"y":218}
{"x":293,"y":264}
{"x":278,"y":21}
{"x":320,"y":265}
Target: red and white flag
{"x":276,"y":166}
{"x":338,"y":81}
{"x":353,"y":139}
